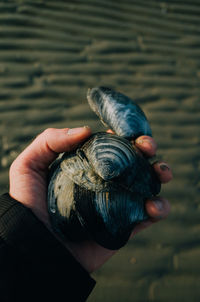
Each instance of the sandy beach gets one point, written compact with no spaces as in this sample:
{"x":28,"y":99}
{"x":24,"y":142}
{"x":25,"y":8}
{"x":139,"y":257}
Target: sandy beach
{"x":51,"y":52}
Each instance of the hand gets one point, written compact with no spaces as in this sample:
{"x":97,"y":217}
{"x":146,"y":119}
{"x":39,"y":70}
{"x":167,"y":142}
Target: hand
{"x":28,"y":185}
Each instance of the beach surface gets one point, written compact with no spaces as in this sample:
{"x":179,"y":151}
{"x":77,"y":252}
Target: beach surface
{"x":51,"y":52}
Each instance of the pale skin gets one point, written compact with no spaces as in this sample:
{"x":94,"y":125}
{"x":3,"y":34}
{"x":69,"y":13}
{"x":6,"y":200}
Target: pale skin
{"x":28,"y":185}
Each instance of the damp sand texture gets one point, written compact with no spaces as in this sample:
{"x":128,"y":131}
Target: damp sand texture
{"x":51,"y":52}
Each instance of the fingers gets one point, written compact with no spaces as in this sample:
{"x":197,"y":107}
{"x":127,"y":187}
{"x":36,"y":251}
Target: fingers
{"x":163,"y":171}
{"x":45,"y":148}
{"x":157,"y":208}
{"x":147,"y":145}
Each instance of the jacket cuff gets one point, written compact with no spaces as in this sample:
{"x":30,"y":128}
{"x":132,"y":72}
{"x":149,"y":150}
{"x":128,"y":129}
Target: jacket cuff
{"x":20,"y":228}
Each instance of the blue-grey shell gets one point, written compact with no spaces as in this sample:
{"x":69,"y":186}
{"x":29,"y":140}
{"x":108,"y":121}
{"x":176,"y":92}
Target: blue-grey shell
{"x":98,"y":192}
{"x":118,"y":112}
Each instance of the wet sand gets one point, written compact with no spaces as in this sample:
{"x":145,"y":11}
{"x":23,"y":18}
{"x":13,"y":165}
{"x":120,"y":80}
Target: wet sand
{"x":52,"y":51}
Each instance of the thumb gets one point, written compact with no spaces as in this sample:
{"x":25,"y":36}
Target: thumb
{"x":45,"y":148}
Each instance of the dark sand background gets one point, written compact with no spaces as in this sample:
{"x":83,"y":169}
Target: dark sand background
{"x":52,"y":51}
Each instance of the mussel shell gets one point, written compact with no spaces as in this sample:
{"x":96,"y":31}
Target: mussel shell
{"x":85,"y":203}
{"x":110,"y":155}
{"x":118,"y":112}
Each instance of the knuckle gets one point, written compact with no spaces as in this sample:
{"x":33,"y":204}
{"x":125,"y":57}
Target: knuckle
{"x":14,"y":166}
{"x":49,"y":131}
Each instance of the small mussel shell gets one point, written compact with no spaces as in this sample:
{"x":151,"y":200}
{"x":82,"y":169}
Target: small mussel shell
{"x":118,"y":112}
{"x":109,"y":155}
{"x":98,"y":192}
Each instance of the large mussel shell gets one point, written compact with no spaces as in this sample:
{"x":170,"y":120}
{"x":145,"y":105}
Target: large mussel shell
{"x":98,"y":192}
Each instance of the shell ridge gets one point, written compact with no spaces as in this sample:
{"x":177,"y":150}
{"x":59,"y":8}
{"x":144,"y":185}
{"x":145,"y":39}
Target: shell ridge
{"x":110,"y":156}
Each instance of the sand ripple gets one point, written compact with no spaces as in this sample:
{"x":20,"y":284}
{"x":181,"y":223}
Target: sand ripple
{"x":52,"y":51}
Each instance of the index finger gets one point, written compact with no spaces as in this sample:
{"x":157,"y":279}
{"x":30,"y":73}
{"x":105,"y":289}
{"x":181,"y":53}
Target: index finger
{"x":146,"y":144}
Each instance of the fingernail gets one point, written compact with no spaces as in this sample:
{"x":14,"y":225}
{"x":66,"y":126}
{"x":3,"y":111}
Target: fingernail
{"x":158,"y":204}
{"x":146,"y":141}
{"x":139,"y":141}
{"x":164,"y":167}
{"x":75,"y":130}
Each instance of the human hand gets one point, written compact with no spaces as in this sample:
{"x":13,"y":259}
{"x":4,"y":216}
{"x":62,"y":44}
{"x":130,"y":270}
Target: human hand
{"x":28,"y":185}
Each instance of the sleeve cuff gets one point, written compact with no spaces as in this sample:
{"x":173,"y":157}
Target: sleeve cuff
{"x":20,"y":228}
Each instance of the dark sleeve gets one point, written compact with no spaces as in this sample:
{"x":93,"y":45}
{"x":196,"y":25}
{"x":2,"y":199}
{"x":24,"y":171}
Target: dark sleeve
{"x":34,"y":266}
